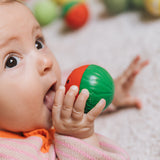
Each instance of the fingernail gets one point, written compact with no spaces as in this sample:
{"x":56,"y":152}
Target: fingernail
{"x":85,"y":91}
{"x":102,"y":101}
{"x":61,"y":87}
{"x":74,"y":87}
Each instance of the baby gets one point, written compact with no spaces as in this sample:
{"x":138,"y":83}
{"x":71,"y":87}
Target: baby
{"x":32,"y":99}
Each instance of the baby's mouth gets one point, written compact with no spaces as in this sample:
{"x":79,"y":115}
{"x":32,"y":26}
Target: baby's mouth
{"x":49,"y":98}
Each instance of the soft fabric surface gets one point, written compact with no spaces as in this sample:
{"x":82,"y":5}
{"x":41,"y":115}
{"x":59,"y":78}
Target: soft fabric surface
{"x":113,"y":42}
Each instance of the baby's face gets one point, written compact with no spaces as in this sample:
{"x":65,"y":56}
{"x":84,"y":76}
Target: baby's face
{"x":29,"y":72}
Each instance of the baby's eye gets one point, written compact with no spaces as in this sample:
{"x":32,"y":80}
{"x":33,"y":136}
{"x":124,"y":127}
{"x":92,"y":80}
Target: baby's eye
{"x":12,"y":61}
{"x":39,"y":44}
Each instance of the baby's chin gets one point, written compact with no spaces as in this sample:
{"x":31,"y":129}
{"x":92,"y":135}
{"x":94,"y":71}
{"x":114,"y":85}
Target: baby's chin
{"x":28,"y":126}
{"x":46,"y":126}
{"x":32,"y":128}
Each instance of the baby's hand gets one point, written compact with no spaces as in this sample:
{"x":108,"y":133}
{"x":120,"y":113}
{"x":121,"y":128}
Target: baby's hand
{"x":68,"y":114}
{"x":124,"y":82}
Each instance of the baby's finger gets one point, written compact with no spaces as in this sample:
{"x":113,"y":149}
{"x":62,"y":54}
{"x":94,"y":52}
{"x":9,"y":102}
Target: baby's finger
{"x":134,"y":73}
{"x":92,"y":114}
{"x":131,"y":101}
{"x":143,"y":64}
{"x":69,"y":102}
{"x":130,"y":80}
{"x":129,"y":71}
{"x":78,"y":110}
{"x":135,"y":61}
{"x":58,"y":102}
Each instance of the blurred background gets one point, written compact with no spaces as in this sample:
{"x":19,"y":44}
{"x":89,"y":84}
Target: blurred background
{"x":111,"y":33}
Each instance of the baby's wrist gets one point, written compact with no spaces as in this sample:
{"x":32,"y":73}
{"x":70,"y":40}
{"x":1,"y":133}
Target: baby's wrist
{"x":78,"y":134}
{"x":92,"y":140}
{"x":84,"y":135}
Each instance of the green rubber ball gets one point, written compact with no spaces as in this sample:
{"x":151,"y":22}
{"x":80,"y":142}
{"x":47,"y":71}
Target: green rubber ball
{"x":138,"y":4}
{"x":45,"y":11}
{"x":116,"y":6}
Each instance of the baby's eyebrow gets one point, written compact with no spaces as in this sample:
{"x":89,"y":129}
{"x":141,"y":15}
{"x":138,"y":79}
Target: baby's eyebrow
{"x":35,"y":28}
{"x":6,"y":42}
{"x":14,"y":38}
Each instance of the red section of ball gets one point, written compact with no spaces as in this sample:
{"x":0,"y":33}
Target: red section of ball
{"x":77,"y":16}
{"x":75,"y":77}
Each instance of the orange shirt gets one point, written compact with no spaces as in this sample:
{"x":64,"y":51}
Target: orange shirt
{"x":47,"y":137}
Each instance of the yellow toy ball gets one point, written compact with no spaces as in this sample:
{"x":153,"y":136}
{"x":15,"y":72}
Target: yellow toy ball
{"x":153,"y":7}
{"x":63,"y":2}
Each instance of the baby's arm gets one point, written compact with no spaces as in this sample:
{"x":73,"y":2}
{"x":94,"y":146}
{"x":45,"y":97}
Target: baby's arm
{"x":123,"y":85}
{"x":68,"y":114}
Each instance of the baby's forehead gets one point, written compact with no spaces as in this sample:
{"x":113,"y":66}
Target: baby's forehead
{"x":16,"y":14}
{"x":16,"y":20}
{"x":15,"y":10}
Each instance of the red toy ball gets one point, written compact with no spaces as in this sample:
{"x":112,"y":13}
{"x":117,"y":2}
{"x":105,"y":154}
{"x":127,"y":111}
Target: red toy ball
{"x":76,"y":14}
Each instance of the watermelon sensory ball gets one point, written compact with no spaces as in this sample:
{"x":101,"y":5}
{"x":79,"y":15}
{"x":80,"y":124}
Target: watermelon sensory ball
{"x":98,"y":82}
{"x":75,"y":14}
{"x":63,"y":2}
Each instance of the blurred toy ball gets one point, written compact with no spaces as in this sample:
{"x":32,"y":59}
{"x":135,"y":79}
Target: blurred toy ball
{"x":137,"y":4}
{"x":62,"y":2}
{"x":153,"y":7}
{"x":98,"y":82}
{"x":45,"y":11}
{"x":75,"y":14}
{"x":116,"y":6}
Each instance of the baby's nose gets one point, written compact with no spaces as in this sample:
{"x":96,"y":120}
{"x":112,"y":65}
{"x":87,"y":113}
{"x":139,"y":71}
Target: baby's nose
{"x":44,"y":64}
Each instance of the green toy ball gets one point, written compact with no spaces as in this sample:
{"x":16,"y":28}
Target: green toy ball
{"x":116,"y":6}
{"x":45,"y":11}
{"x":98,"y":82}
{"x":137,"y":4}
